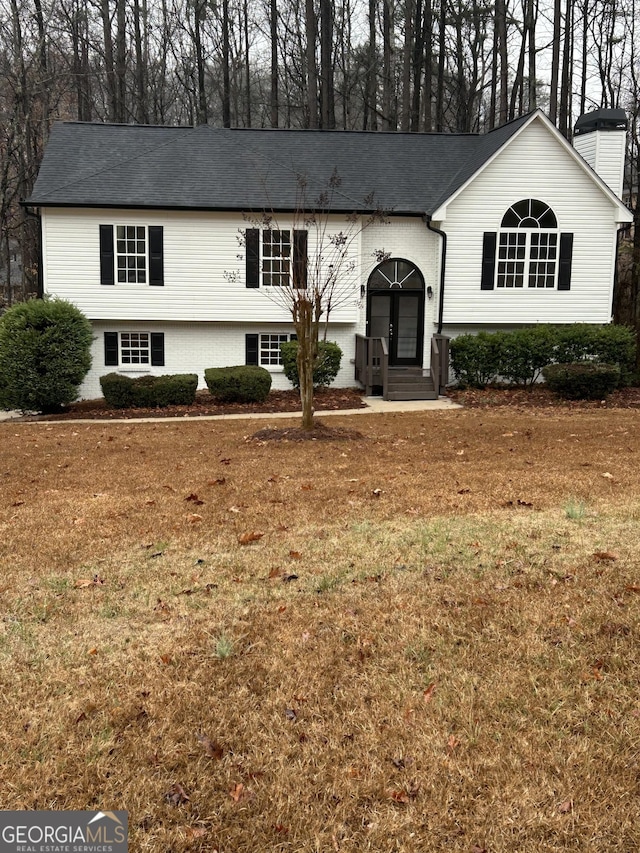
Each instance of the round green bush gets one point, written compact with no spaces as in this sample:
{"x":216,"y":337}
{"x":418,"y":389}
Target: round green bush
{"x":325,"y":369}
{"x":582,"y":380}
{"x":45,"y":353}
{"x":244,"y":383}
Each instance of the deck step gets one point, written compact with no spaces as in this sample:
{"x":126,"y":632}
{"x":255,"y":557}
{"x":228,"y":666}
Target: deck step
{"x":412,"y":395}
{"x":410,"y":383}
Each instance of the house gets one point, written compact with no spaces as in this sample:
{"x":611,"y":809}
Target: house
{"x":151,"y":232}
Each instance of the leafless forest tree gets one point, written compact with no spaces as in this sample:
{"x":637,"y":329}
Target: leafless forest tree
{"x":411,"y":65}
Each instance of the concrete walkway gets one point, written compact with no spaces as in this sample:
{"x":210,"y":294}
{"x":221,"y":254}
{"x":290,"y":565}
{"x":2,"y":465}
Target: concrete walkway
{"x":375,"y":405}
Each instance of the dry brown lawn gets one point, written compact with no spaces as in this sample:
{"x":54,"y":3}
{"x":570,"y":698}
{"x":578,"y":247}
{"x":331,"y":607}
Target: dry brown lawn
{"x":425,"y":640}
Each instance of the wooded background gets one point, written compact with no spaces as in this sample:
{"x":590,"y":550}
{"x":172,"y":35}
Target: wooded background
{"x":384,"y":65}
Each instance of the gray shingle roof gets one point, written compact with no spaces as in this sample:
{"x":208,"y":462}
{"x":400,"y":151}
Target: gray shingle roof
{"x":102,"y":165}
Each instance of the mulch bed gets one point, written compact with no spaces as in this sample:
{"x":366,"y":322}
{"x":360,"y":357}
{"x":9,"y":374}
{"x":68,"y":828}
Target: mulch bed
{"x":539,"y":397}
{"x":320,"y":432}
{"x":329,"y":399}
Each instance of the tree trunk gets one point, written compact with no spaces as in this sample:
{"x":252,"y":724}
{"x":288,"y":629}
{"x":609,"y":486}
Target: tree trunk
{"x":226,"y":79}
{"x":311,"y":26}
{"x":307,"y":333}
{"x":555,"y":63}
{"x":273,"y":26}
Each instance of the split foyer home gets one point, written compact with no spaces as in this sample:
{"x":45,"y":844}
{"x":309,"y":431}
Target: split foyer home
{"x":173,"y":240}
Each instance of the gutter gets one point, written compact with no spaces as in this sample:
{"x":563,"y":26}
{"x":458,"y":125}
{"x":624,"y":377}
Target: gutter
{"x":443,"y":265}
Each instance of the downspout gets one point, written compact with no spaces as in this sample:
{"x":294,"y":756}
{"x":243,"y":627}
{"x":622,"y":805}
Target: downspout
{"x":443,"y":265}
{"x":616,"y":272}
{"x":38,"y":218}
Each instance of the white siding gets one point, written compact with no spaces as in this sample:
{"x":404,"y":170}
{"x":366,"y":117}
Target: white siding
{"x":193,"y":347}
{"x":204,"y":268}
{"x":604,"y":151}
{"x":534,"y":165}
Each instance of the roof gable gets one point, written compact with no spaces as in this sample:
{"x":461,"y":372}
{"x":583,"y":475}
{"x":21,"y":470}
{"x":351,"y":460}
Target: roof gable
{"x":557,"y":140}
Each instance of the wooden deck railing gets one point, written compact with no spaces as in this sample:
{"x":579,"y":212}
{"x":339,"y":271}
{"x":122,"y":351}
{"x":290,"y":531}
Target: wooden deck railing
{"x":440,"y":361}
{"x":372,"y":363}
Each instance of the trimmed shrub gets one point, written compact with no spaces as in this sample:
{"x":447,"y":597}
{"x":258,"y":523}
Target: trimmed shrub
{"x":244,"y":383}
{"x":325,"y":369}
{"x":476,"y":359}
{"x":606,"y":344}
{"x":517,"y":357}
{"x":525,"y":352}
{"x":582,"y":380}
{"x":121,"y":392}
{"x":45,"y":353}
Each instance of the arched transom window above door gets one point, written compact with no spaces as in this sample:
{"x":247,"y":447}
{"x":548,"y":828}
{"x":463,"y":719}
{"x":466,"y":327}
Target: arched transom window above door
{"x":396,"y":274}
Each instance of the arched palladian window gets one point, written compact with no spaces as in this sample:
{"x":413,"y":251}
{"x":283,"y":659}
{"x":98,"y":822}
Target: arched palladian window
{"x":531,"y":252}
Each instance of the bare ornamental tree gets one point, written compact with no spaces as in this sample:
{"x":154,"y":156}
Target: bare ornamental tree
{"x":318,"y":259}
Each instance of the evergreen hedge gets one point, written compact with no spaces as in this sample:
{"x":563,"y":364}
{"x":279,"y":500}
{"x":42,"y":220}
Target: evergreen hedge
{"x":518,"y":356}
{"x":244,"y":383}
{"x":582,"y":380}
{"x":124,"y":392}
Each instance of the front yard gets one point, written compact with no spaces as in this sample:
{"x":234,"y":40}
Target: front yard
{"x":423,"y":640}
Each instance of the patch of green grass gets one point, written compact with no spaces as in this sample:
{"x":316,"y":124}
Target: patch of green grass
{"x":575,"y":510}
{"x":223,"y":646}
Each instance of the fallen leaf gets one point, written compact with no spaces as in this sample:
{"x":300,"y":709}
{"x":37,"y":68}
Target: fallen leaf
{"x":289,"y":578}
{"x":399,"y":796}
{"x":239,"y":793}
{"x":607,"y":475}
{"x":194,"y":832}
{"x":211,"y":748}
{"x":194,"y":518}
{"x":566,"y":807}
{"x":166,"y":659}
{"x":376,"y":493}
{"x":632,"y":587}
{"x":428,"y":693}
{"x":246,"y":538}
{"x":194,"y":499}
{"x":295,"y":555}
{"x":92,"y":652}
{"x":219,"y":481}
{"x":290,"y":714}
{"x":275,"y":572}
{"x":603,"y":556}
{"x":452,"y":742}
{"x":176,"y":795}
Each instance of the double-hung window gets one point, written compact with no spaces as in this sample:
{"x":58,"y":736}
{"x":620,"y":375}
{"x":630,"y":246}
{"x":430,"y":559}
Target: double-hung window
{"x":528,"y":246}
{"x":132,"y":254}
{"x":264,"y":348}
{"x":276,"y":257}
{"x":134,"y":350}
{"x":528,"y":252}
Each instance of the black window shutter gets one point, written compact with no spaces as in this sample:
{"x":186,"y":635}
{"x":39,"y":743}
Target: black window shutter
{"x":111,"y":349}
{"x":107,"y":274}
{"x":252,"y":251}
{"x":564,"y":264}
{"x":156,"y":255}
{"x":251,"y":349}
{"x":489,"y":242}
{"x":157,"y":349}
{"x":300,"y":259}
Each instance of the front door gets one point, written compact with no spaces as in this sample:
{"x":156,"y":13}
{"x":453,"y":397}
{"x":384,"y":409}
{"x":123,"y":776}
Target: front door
{"x":396,"y":311}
